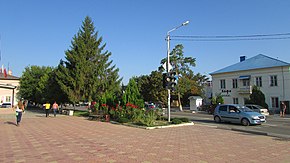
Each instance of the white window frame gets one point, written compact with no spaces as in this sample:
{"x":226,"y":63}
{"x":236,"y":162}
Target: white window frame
{"x":246,"y":82}
{"x":259,"y":81}
{"x":223,"y":83}
{"x":235,"y":83}
{"x":235,"y":100}
{"x":8,"y":99}
{"x":273,"y":81}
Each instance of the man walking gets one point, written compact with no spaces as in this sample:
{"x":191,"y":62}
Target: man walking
{"x":55,"y":108}
{"x":283,"y":109}
{"x":47,"y":107}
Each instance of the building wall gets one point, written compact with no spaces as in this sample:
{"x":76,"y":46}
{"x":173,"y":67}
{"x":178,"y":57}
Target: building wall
{"x":6,"y":93}
{"x":281,"y":91}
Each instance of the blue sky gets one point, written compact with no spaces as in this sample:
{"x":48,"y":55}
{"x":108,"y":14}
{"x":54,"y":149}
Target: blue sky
{"x":35,"y":32}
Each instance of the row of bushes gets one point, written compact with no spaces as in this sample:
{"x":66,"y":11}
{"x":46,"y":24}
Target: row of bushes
{"x":134,"y":114}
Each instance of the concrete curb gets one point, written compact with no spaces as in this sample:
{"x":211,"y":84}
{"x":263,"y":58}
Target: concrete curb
{"x":177,"y":125}
{"x":155,"y":127}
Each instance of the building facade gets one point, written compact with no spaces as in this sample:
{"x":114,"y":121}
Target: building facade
{"x":8,"y":88}
{"x":271,"y":76}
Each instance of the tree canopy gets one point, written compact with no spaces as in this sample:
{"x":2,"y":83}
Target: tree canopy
{"x":257,"y":97}
{"x":33,"y":83}
{"x":188,"y":82}
{"x":87,"y":73}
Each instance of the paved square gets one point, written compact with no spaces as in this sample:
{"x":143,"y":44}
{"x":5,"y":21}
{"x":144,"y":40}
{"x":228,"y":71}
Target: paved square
{"x":74,"y":139}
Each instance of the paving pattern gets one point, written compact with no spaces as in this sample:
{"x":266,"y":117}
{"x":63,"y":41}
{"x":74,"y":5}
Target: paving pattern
{"x":67,"y":139}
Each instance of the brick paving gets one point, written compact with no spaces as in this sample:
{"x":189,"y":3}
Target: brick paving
{"x":66,"y":139}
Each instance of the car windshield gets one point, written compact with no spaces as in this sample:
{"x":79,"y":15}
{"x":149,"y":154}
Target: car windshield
{"x":259,"y":107}
{"x":245,"y":109}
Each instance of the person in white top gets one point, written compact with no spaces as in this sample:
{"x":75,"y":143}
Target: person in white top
{"x":19,"y":110}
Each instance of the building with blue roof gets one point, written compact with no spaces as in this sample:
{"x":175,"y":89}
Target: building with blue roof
{"x":272,"y":76}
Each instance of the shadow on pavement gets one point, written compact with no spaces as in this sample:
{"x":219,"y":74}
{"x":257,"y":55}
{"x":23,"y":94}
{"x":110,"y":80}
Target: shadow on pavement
{"x":10,"y":123}
{"x":281,"y":139}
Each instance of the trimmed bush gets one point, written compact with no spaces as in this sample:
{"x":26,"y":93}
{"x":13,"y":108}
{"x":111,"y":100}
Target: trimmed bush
{"x":123,"y":120}
{"x":184,"y":119}
{"x":176,"y":121}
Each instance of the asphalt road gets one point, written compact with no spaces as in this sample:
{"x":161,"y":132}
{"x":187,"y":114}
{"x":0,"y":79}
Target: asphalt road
{"x":275,"y":125}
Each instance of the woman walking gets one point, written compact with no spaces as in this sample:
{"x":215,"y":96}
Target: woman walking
{"x":19,"y":111}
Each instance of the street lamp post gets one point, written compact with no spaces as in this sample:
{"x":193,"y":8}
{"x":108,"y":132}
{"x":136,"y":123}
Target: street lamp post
{"x":168,"y":63}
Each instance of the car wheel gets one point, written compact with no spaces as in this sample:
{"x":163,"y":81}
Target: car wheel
{"x":217,"y":119}
{"x":245,"y":122}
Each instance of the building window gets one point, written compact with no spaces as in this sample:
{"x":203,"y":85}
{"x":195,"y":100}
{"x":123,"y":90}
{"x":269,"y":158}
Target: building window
{"x":273,"y":80}
{"x":236,"y":100}
{"x":223,"y":84}
{"x":235,"y":83}
{"x":8,"y":98}
{"x":275,"y":102}
{"x":246,"y":82}
{"x":259,"y":81}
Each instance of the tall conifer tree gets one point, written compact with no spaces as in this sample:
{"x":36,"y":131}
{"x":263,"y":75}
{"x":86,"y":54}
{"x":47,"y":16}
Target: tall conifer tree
{"x":87,"y":73}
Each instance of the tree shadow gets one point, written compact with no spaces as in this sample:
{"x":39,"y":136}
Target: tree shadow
{"x":10,"y":123}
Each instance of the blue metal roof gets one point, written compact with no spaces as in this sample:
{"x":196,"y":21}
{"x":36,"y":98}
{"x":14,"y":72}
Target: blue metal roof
{"x":256,"y":62}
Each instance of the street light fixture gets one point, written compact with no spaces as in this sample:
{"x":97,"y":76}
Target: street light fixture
{"x":168,"y":62}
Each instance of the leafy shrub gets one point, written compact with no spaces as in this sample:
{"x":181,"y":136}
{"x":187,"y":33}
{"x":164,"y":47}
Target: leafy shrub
{"x":176,"y":121}
{"x":149,"y":118}
{"x":184,"y":119}
{"x":138,"y":115}
{"x":123,"y":120}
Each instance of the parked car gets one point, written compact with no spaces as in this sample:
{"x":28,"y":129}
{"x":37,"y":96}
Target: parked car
{"x":258,"y":108}
{"x":5,"y":105}
{"x":149,"y":106}
{"x":157,"y":106}
{"x":235,"y":113}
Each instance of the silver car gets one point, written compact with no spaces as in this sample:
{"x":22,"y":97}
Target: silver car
{"x":237,"y":114}
{"x":258,"y":108}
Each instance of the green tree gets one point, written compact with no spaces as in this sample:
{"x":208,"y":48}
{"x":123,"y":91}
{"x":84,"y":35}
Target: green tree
{"x":218,"y":99}
{"x":54,"y":93}
{"x":34,"y":84}
{"x":182,"y":66}
{"x":87,"y":73}
{"x":191,"y":85}
{"x":257,"y":97}
{"x":151,"y":88}
{"x":132,"y":94}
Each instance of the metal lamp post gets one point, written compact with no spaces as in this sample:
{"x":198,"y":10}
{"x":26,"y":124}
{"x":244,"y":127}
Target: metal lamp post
{"x":168,"y":62}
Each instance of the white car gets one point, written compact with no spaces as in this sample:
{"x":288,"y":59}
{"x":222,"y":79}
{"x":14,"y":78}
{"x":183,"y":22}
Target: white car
{"x":258,"y":108}
{"x":5,"y":105}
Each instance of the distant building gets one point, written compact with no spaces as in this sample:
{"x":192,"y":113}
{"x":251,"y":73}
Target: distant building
{"x":271,"y":75}
{"x":8,"y":87}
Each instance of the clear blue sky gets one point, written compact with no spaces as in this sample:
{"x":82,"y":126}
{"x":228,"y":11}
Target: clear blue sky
{"x":38,"y":32}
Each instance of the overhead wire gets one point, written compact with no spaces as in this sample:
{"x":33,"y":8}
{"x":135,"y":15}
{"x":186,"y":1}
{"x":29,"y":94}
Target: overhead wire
{"x":275,"y":36}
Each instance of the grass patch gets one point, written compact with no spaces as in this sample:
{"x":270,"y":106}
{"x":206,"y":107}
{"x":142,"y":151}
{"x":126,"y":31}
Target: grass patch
{"x":79,"y":113}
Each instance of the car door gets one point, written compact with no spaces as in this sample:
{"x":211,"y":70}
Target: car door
{"x":233,"y":114}
{"x":223,"y":112}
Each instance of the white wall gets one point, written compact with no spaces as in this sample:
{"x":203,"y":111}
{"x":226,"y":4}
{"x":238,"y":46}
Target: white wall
{"x":8,"y":92}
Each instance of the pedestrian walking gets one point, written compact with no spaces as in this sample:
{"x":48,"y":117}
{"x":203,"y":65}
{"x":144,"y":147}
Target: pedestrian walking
{"x":46,"y":107}
{"x":55,"y":108}
{"x":19,"y":111}
{"x":282,"y":109}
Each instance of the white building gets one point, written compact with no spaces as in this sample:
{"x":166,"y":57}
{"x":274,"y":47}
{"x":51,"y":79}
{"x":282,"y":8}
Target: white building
{"x":271,"y":75}
{"x":8,"y":88}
